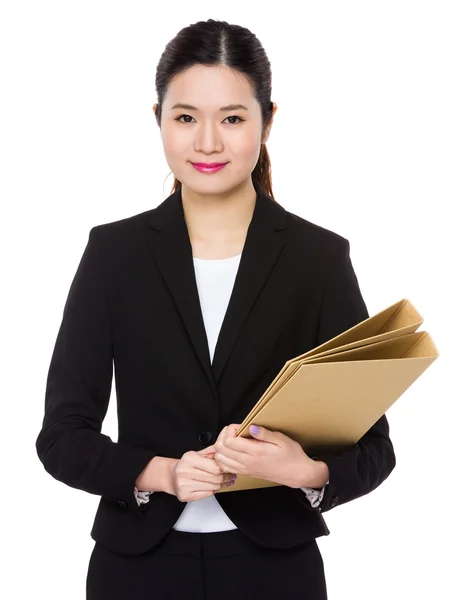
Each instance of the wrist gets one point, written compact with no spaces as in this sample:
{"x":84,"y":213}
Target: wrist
{"x":315,"y":474}
{"x":157,"y":476}
{"x":165,"y":479}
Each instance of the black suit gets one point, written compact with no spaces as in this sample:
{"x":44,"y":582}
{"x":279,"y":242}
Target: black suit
{"x":134,"y":303}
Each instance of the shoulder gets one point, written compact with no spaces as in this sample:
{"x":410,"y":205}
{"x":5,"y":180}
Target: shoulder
{"x":122,"y":227}
{"x":121,"y":238}
{"x":117,"y":240}
{"x":315,"y":237}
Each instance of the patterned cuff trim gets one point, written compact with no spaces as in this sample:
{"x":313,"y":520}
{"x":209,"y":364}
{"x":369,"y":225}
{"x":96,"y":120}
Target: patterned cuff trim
{"x":141,"y":496}
{"x":315,"y":496}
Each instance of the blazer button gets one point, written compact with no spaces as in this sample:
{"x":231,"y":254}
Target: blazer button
{"x":205,"y":437}
{"x":334,"y":501}
{"x":121,"y":503}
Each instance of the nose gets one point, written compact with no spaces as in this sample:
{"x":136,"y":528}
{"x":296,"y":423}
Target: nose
{"x":207,"y":138}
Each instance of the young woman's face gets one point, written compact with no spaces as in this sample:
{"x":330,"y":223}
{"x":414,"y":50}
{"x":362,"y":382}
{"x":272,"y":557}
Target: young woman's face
{"x":210,"y":129}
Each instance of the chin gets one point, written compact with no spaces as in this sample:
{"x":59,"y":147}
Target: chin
{"x":209,"y":187}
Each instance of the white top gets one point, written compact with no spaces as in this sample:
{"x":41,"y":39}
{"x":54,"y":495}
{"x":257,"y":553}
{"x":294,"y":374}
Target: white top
{"x":215,"y":280}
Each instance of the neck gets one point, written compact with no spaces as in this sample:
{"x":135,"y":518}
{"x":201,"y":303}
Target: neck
{"x":220,"y":216}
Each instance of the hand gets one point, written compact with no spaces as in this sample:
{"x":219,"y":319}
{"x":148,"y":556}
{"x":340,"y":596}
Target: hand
{"x":195,"y":476}
{"x":156,"y":475}
{"x":269,"y":455}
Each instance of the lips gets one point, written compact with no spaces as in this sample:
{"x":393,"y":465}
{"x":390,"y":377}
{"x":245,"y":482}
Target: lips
{"x":209,"y":167}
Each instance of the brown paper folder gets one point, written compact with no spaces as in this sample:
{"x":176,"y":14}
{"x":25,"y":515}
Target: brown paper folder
{"x":398,"y":319}
{"x":329,"y":397}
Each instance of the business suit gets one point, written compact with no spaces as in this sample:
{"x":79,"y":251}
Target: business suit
{"x":133,"y":302}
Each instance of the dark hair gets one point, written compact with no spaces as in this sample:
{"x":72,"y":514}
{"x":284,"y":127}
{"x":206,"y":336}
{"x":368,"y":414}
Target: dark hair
{"x":214,"y":42}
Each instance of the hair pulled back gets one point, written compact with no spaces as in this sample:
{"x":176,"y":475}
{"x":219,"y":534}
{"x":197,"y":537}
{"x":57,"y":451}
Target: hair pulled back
{"x":219,"y":43}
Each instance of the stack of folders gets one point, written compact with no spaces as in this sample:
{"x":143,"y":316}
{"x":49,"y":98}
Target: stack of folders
{"x":329,"y":397}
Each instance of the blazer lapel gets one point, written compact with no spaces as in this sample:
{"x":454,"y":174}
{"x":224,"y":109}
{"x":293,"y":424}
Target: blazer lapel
{"x":170,"y":245}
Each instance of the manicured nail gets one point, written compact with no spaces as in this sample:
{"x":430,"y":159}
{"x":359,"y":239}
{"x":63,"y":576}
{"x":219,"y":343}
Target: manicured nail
{"x":254,"y":429}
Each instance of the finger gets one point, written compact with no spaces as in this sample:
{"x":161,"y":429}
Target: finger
{"x":228,"y":464}
{"x":207,"y":450}
{"x":210,"y":455}
{"x":212,"y":479}
{"x":237,"y":445}
{"x":224,"y":466}
{"x":209,"y":465}
{"x":221,"y":435}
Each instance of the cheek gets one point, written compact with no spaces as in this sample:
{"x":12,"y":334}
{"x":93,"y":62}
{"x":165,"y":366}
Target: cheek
{"x":174,"y":141}
{"x":248,"y":148}
{"x":173,"y":146}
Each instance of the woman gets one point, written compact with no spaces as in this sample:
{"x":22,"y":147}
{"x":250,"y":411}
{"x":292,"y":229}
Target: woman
{"x":199,"y":303}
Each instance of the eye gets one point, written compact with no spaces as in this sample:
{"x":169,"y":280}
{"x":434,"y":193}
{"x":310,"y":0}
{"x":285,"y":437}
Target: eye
{"x":178,"y":118}
{"x":235,"y":117}
{"x":230,"y":117}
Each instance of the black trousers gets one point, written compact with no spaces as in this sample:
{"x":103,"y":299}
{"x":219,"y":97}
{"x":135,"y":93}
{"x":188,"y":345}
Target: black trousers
{"x":207,"y":566}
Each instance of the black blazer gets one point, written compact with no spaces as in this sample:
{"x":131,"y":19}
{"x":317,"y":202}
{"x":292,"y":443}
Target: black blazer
{"x":133,"y":302}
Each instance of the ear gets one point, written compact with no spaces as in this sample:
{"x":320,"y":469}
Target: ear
{"x":154,"y":108}
{"x":267,"y":131}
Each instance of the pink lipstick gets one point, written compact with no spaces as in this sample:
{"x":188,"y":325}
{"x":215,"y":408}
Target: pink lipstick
{"x":209,"y":167}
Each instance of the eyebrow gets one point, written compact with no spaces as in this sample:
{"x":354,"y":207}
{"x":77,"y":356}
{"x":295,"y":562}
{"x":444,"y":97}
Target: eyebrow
{"x":223,"y":108}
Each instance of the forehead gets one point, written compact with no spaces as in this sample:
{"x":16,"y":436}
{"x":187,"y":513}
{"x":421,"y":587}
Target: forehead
{"x":211,"y":87}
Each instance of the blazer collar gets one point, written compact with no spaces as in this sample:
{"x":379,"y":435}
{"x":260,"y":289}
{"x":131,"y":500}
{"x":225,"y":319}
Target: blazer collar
{"x":170,"y":245}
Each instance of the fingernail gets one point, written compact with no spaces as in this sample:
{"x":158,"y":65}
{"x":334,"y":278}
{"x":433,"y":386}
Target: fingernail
{"x":232,"y":482}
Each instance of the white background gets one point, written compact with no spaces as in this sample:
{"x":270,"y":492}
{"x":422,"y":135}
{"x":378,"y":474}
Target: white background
{"x":374,"y":138}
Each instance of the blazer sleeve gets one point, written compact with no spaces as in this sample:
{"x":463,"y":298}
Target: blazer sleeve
{"x":70,"y":443}
{"x":363,"y":467}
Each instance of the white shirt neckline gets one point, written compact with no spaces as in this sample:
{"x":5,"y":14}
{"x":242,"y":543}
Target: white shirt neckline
{"x":220,"y":260}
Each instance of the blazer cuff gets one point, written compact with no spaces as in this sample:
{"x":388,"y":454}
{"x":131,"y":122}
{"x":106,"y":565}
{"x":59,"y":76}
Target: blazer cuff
{"x":315,"y":496}
{"x":359,"y":469}
{"x":141,"y":496}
